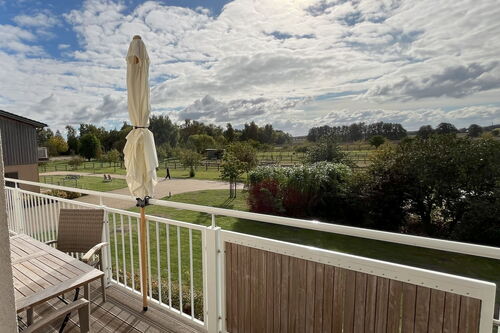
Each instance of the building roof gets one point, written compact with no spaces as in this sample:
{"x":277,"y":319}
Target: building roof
{"x":22,"y":119}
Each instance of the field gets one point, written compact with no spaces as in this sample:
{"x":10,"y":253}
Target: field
{"x":359,"y":154}
{"x":85,"y":182}
{"x":480,"y":268}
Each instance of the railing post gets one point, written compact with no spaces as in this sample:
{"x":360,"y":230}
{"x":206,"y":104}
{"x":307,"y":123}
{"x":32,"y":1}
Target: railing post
{"x":18,"y":210}
{"x":106,"y":256}
{"x":212,"y":278}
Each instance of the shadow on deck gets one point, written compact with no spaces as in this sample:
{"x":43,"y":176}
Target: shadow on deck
{"x":121,"y":313}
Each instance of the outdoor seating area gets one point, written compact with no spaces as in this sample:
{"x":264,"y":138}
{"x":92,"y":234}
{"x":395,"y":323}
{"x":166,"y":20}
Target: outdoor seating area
{"x":246,"y":283}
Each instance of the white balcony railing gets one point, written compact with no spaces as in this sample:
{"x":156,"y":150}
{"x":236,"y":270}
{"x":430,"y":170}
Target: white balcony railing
{"x":186,"y":259}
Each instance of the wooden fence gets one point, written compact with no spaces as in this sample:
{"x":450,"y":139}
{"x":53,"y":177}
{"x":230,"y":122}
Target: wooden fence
{"x":272,"y":292}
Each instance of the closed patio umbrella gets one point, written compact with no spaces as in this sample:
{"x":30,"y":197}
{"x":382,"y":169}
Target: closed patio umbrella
{"x":140,"y":152}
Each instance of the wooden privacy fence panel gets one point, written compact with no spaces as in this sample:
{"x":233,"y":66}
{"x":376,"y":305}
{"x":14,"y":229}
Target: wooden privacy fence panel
{"x":271,"y":292}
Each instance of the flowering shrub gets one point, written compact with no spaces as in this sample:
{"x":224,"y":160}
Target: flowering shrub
{"x":300,"y":191}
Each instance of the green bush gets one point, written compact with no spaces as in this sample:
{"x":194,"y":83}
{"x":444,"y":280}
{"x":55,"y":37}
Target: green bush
{"x":76,"y":161}
{"x":300,"y":191}
{"x":64,"y":194}
{"x":435,"y":187}
{"x":326,"y":150}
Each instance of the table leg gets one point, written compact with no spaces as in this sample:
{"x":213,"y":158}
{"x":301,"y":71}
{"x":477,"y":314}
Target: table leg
{"x":86,"y":294}
{"x":29,"y":316}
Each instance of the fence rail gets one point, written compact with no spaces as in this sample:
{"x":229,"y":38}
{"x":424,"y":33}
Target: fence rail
{"x":187,"y":263}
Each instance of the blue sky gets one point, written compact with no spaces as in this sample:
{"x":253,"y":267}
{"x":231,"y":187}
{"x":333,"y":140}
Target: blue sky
{"x":292,"y":63}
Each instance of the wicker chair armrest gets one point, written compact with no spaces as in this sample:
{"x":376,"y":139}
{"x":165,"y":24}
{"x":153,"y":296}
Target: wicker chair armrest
{"x":96,"y":249}
{"x":50,"y":242}
{"x":51,"y":318}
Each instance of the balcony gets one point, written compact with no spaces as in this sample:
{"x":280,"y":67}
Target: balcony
{"x":206,"y":279}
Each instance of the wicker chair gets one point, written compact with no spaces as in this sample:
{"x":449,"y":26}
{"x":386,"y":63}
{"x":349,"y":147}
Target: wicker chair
{"x":80,"y":231}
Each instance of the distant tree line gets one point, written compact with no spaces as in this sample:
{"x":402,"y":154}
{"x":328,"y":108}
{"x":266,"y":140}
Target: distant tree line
{"x":358,"y":131}
{"x":91,"y":141}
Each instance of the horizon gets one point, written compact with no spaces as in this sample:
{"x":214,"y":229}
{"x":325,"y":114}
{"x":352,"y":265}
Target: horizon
{"x":293,"y":64}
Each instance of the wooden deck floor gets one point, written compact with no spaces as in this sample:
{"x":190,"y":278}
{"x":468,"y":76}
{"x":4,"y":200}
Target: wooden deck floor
{"x":121,"y":313}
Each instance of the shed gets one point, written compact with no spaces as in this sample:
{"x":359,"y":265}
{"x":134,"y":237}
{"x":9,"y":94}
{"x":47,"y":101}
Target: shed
{"x":20,"y":147}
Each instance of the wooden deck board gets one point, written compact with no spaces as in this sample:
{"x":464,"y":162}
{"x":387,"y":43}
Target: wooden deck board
{"x":122,"y":313}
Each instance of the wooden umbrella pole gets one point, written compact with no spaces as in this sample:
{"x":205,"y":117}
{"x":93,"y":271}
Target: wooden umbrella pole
{"x":144,"y":268}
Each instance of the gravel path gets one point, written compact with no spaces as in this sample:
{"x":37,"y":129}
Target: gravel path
{"x":162,"y":189}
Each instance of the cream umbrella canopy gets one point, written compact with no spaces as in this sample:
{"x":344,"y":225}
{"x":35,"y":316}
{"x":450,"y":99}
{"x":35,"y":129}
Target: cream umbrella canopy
{"x":140,"y":153}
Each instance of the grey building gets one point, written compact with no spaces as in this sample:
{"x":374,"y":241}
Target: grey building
{"x":20,"y":147}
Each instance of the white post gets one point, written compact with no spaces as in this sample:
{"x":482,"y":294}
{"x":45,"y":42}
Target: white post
{"x":18,"y":210}
{"x":212,"y":287}
{"x":106,"y":254}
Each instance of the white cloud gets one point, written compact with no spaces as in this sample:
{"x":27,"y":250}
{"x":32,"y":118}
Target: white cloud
{"x":39,"y":20}
{"x":266,"y":60}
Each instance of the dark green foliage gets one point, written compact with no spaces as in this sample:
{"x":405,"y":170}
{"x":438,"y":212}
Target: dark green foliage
{"x":164,"y":130}
{"x":474,"y":130}
{"x":446,"y":128}
{"x":229,"y":133}
{"x":425,"y":131}
{"x":326,"y":150}
{"x":245,"y":153}
{"x":377,"y":140}
{"x":89,"y":146}
{"x":200,"y":142}
{"x":43,"y":135}
{"x":357,"y":131}
{"x":432,"y":186}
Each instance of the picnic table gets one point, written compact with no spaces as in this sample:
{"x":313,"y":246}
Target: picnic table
{"x":41,"y":273}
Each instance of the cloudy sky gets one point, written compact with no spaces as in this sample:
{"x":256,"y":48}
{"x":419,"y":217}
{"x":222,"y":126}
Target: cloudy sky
{"x":292,"y":63}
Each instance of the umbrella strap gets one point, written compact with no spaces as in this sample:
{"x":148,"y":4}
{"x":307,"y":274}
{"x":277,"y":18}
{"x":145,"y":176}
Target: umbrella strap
{"x":136,"y":127}
{"x":142,"y":202}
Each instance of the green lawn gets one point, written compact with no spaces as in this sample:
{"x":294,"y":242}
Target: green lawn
{"x":105,"y":168}
{"x":481,"y":268}
{"x":85,"y":182}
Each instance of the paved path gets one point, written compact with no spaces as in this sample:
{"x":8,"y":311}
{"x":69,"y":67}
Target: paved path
{"x":162,"y":189}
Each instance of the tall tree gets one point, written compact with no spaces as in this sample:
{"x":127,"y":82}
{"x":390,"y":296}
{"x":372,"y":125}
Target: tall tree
{"x":425,"y":131}
{"x":474,"y":130}
{"x":43,"y":135}
{"x":446,"y":128}
{"x":229,"y":133}
{"x":250,"y":132}
{"x":164,"y":130}
{"x":89,"y":146}
{"x":73,"y":142}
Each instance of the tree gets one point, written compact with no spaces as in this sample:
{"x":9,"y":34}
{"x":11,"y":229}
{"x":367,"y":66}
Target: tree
{"x":43,"y":135}
{"x":99,"y":133}
{"x":56,"y":145}
{"x":89,"y":146}
{"x":112,"y":156}
{"x":231,"y":169}
{"x":326,"y":150}
{"x":164,"y":130}
{"x":429,"y":185}
{"x":474,"y":131}
{"x":446,"y":128}
{"x":189,"y":159}
{"x":377,"y":140}
{"x":245,"y":153}
{"x":200,"y":142}
{"x":229,"y":133}
{"x":73,"y":142}
{"x":250,"y":132}
{"x":163,"y":151}
{"x":425,"y":131}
